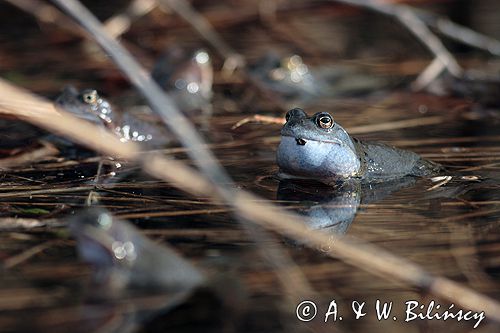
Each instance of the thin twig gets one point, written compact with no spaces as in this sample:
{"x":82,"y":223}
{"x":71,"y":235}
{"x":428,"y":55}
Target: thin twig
{"x":31,"y":156}
{"x":257,"y":118}
{"x":428,"y":75}
{"x":232,"y":59}
{"x":363,"y":129}
{"x":409,"y":18}
{"x":173,"y":213}
{"x":25,"y":255}
{"x":120,"y":23}
{"x":374,"y":259}
{"x":397,"y":124}
{"x":460,"y":33}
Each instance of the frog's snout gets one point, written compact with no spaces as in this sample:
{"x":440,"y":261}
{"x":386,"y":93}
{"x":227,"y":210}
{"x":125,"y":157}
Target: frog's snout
{"x":300,"y":141}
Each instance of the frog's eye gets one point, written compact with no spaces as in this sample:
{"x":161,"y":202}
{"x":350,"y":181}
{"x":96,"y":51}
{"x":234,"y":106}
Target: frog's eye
{"x":325,"y":121}
{"x":90,"y":97}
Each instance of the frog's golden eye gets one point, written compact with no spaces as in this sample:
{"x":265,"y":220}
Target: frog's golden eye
{"x":90,"y":97}
{"x":325,"y":121}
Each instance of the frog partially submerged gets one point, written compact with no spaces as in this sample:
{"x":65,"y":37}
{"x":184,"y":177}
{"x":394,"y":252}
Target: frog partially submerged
{"x":89,"y":105}
{"x":318,"y":148}
{"x":289,"y":77}
{"x":187,"y":76}
{"x":86,"y":105}
{"x":124,"y":259}
{"x":143,"y":284}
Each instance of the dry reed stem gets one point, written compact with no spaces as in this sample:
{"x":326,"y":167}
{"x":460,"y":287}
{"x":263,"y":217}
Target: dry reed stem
{"x":47,"y":149}
{"x":386,"y":126}
{"x":373,"y":259}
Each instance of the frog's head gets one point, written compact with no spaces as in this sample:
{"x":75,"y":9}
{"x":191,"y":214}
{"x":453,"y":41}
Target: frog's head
{"x":102,"y":240}
{"x":87,"y":105}
{"x":180,"y":71}
{"x":316,"y":147}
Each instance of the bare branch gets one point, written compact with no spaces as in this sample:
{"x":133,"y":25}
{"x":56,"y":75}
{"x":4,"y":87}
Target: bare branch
{"x":460,"y":33}
{"x":409,"y":18}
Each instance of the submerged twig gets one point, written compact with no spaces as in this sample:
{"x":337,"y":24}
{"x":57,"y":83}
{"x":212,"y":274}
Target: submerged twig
{"x":25,"y":255}
{"x":45,"y":150}
{"x":355,"y":252}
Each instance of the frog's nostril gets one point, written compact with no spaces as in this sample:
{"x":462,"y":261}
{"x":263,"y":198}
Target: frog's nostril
{"x":300,"y":142}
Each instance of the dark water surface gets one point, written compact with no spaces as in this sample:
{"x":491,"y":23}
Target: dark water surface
{"x":451,"y":230}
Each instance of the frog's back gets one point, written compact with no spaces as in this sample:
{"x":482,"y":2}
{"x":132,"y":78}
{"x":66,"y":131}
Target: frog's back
{"x":382,"y":161}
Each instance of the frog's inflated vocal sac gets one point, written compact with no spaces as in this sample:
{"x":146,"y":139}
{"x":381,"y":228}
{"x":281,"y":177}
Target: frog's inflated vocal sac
{"x":318,"y":148}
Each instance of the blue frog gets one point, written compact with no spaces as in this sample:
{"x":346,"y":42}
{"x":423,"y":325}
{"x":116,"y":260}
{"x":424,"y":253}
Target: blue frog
{"x":318,"y":148}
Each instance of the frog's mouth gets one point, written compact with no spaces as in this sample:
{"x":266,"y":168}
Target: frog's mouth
{"x":302,"y":141}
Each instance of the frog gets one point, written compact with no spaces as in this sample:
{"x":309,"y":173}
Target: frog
{"x":287,"y":76}
{"x":318,"y":148}
{"x":89,"y":105}
{"x":187,"y":76}
{"x":124,"y":259}
{"x":128,"y":267}
{"x":291,"y":80}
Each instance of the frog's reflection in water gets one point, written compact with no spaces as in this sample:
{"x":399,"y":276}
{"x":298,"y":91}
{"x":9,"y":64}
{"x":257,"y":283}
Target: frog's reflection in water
{"x":332,"y":209}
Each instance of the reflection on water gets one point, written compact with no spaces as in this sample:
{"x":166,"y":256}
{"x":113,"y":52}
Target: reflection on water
{"x":333,"y":208}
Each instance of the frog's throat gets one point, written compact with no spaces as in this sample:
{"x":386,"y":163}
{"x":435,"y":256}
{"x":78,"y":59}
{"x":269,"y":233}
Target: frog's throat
{"x":302,"y":141}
